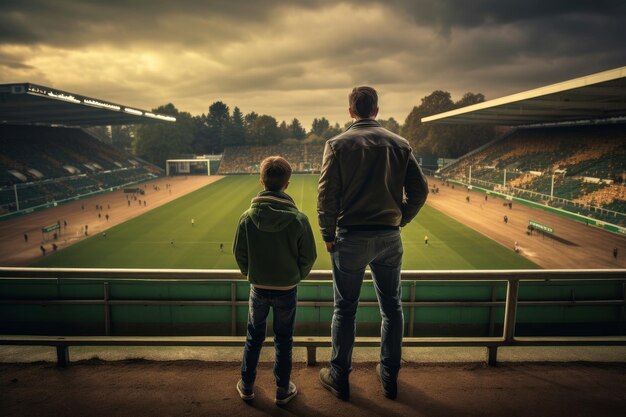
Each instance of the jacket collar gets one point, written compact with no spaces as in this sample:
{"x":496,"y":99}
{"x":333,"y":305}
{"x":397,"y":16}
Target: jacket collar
{"x":274,"y":197}
{"x":364,"y":123}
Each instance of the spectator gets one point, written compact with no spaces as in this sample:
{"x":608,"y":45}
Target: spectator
{"x":360,"y":222}
{"x":275,"y":249}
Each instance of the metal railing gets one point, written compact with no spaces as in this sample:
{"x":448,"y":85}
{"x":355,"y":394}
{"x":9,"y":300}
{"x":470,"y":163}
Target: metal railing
{"x":198,"y":276}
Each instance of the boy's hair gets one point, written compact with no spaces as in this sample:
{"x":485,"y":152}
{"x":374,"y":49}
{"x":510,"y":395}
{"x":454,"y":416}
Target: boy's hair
{"x":363,"y":101}
{"x":275,"y":173}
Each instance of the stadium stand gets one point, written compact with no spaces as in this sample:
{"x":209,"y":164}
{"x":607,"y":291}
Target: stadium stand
{"x":578,"y":167}
{"x":50,"y":164}
{"x":246,"y":159}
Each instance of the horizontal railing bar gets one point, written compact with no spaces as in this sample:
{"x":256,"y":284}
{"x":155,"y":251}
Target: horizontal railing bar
{"x":232,"y":274}
{"x":317,"y":341}
{"x":228,"y":303}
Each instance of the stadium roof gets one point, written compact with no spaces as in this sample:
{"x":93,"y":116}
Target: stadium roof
{"x":596,"y":96}
{"x":27,"y":103}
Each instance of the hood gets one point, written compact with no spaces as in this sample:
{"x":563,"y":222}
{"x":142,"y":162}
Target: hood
{"x":272,"y":211}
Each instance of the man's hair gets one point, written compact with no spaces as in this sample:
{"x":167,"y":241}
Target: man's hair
{"x":363,"y":101}
{"x":275,"y":173}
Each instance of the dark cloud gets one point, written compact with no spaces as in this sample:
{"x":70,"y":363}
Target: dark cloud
{"x":299,"y":58}
{"x":76,"y":22}
{"x":447,"y":14}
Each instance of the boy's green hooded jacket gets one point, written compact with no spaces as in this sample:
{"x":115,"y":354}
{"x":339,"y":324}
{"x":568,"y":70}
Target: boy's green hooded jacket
{"x":274,"y":245}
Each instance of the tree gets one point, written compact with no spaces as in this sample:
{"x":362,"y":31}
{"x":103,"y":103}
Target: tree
{"x":157,"y":142}
{"x":201,"y":141}
{"x":283,"y":130}
{"x":237,"y":132}
{"x":390,"y":124}
{"x":218,"y":123}
{"x":319,"y":126}
{"x":415,"y":131}
{"x":264,"y":130}
{"x":332,"y":131}
{"x":296,"y":130}
{"x":249,"y":119}
{"x":443,"y":140}
{"x":468,"y":99}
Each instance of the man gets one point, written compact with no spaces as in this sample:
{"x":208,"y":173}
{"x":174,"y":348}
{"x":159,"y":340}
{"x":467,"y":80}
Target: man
{"x":370,"y":185}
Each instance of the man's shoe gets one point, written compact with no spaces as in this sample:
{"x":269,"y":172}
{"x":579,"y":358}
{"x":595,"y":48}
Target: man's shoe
{"x":390,"y":389}
{"x":284,"y":395}
{"x":340,"y":391}
{"x":246,"y":394}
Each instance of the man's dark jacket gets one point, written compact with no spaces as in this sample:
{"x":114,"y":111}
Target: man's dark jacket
{"x":370,"y":179}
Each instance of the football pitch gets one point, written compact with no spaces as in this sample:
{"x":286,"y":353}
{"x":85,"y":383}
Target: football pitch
{"x":146,"y":241}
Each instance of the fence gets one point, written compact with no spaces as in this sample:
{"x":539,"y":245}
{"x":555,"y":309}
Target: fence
{"x":511,"y":302}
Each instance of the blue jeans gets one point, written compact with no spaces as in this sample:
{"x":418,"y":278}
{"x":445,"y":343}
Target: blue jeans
{"x":355,"y":250}
{"x":284,"y":307}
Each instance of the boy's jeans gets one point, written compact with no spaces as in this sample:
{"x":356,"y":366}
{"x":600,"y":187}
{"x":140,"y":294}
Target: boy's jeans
{"x":284,"y":304}
{"x":382,"y":251}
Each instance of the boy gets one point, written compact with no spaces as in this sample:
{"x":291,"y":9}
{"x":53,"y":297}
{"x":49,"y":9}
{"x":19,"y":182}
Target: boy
{"x":274,"y":247}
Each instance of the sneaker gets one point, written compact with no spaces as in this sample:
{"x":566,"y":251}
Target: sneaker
{"x":328,"y":382}
{"x":284,"y":395}
{"x":390,"y":389}
{"x":246,"y":394}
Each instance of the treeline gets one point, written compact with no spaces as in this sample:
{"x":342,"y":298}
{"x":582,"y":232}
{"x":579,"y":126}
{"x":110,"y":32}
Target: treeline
{"x":444,"y":140}
{"x":210,"y":133}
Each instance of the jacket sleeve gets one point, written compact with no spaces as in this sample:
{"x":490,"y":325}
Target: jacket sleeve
{"x":240,"y":247}
{"x":307,"y":254}
{"x":328,"y":194}
{"x":415,"y":189}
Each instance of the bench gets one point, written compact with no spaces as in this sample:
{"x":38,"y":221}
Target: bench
{"x":62,"y":343}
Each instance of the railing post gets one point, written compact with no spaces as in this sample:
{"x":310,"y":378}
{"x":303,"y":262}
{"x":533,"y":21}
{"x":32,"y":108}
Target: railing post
{"x":492,"y":355}
{"x":63,"y":356}
{"x":623,"y":315}
{"x":311,"y":356}
{"x":233,"y":309}
{"x":412,"y":310}
{"x":107,"y":309}
{"x":510,"y":309}
{"x":492,"y":310}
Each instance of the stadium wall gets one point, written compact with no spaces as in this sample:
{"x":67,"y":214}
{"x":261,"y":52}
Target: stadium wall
{"x":139,"y":307}
{"x":28,"y":210}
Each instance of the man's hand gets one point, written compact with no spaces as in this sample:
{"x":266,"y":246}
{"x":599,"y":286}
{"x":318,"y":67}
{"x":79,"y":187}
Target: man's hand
{"x":330,"y":246}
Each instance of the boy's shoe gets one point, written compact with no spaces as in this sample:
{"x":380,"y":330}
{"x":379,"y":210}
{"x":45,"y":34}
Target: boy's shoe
{"x":284,"y":395}
{"x":341,"y":391}
{"x":390,"y":389}
{"x":246,"y":394}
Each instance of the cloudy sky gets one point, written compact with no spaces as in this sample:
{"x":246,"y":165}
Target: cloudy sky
{"x":301,"y":58}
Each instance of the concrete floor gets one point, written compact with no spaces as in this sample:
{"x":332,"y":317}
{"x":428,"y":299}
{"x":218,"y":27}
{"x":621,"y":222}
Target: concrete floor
{"x":198,"y":388}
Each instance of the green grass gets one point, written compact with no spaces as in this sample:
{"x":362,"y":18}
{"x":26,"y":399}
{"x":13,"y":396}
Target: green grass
{"x":144,"y":242}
